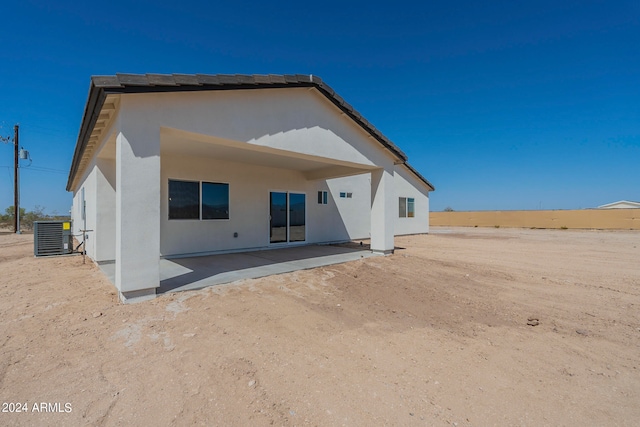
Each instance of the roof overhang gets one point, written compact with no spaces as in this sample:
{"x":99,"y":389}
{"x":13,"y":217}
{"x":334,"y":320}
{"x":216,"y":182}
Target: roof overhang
{"x":101,"y":107}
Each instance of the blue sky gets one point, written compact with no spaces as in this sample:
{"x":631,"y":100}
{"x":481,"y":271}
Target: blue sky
{"x":502,"y":105}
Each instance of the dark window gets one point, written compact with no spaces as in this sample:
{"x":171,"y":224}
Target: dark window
{"x":343,"y":194}
{"x":184,"y":199}
{"x":322,"y":197}
{"x":215,"y":200}
{"x":349,"y":195}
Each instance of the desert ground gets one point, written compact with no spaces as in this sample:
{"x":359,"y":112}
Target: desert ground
{"x":462,"y":327}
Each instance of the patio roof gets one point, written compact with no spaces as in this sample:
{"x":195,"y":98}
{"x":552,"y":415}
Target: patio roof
{"x":102,"y":86}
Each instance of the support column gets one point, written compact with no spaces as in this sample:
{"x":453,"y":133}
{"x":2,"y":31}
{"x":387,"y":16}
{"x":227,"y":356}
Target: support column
{"x":137,"y":210}
{"x":383,"y":208}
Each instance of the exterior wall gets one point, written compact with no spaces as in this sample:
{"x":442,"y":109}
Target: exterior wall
{"x":105,"y":194}
{"x":89,"y":185}
{"x":354,"y":213}
{"x":588,"y":218}
{"x":407,"y":185}
{"x":99,"y":192}
{"x":287,"y":119}
{"x":249,"y":187}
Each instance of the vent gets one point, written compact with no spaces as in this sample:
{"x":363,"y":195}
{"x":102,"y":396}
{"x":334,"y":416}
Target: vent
{"x":52,"y":238}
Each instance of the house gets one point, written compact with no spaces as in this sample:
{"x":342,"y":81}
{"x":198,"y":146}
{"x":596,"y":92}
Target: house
{"x":176,"y":165}
{"x":622,"y":204}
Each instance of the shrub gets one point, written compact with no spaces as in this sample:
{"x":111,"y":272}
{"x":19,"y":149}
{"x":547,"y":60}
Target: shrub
{"x":27,"y":218}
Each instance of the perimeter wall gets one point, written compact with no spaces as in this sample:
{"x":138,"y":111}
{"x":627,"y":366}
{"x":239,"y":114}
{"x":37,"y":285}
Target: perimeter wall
{"x":586,"y":218}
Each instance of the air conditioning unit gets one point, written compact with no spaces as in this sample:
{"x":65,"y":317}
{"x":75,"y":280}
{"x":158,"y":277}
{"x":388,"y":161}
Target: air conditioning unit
{"x":52,"y":238}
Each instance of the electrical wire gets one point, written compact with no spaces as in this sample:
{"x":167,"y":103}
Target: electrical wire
{"x":37,"y":169}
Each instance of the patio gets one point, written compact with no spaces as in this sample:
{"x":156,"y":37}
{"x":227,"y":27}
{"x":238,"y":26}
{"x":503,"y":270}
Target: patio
{"x":190,"y":273}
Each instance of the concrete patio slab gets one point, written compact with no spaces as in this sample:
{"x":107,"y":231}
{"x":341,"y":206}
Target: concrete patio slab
{"x":182,"y":274}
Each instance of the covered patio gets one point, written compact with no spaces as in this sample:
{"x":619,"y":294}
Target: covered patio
{"x":191,"y":273}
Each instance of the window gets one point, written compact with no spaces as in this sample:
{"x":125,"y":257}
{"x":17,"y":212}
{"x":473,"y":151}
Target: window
{"x":184,"y":199}
{"x":195,"y":200}
{"x":215,"y":200}
{"x":349,"y":195}
{"x":343,"y":194}
{"x":322,"y":197}
{"x":406,"y":207}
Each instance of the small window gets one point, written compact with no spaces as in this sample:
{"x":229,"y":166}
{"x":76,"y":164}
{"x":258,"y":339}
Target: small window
{"x":406,"y":207}
{"x":215,"y":200}
{"x":349,"y":195}
{"x":322,"y":197}
{"x":343,"y":194}
{"x":184,"y":199}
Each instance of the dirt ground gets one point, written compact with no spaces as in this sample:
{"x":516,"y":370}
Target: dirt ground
{"x":435,"y":334}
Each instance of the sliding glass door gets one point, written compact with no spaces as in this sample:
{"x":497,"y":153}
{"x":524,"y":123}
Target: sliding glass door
{"x":287,"y":217}
{"x":297,"y":226}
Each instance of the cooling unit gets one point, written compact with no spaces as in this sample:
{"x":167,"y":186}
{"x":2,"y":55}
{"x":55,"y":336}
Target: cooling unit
{"x":52,"y":238}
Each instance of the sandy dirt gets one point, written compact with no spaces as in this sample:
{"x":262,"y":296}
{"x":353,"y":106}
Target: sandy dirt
{"x":436,"y":334}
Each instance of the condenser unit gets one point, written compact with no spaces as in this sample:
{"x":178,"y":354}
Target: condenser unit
{"x":52,"y":238}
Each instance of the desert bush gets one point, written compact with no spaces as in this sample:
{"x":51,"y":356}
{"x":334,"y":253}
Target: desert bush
{"x":27,"y":218}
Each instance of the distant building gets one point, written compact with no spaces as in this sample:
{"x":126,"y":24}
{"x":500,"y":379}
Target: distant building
{"x":622,"y":204}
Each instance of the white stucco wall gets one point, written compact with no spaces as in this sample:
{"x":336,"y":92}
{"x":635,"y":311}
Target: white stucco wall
{"x":354,"y":211}
{"x":99,"y":190}
{"x":105,"y":229}
{"x":88,"y":183}
{"x":249,"y":187}
{"x":408,"y":185}
{"x":288,"y":119}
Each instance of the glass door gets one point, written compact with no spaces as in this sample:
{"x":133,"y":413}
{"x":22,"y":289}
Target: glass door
{"x":278,"y":217}
{"x":297,"y":226}
{"x":287,"y":217}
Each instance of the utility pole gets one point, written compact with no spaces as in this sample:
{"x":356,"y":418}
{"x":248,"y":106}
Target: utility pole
{"x":16,"y":195}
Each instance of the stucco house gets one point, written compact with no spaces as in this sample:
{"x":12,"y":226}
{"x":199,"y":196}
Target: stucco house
{"x":175,"y":165}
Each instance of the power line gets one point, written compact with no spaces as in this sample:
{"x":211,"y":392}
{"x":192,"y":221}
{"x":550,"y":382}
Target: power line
{"x":37,"y":169}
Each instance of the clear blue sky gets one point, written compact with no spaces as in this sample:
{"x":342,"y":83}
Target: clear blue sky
{"x":502,"y":105}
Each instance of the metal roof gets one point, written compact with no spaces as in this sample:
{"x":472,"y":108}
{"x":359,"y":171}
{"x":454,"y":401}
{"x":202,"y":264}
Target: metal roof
{"x":101,"y":86}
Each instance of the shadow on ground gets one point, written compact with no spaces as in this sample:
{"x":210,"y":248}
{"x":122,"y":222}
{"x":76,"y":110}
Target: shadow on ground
{"x":180,"y":274}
